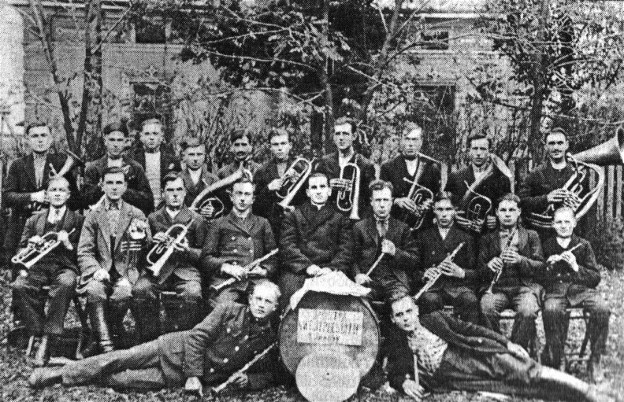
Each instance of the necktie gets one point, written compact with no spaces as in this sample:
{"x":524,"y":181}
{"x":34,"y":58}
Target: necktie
{"x":56,"y":216}
{"x":382,"y":227}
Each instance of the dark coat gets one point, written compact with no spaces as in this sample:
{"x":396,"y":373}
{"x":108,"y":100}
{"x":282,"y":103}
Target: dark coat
{"x":193,"y":190}
{"x":493,"y":187}
{"x":182,"y":264}
{"x":138,"y":194}
{"x":216,"y":348}
{"x":168,"y":161}
{"x":228,"y":241}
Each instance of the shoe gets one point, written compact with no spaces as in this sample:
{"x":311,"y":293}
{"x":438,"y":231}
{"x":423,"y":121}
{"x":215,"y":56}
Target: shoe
{"x":595,"y":371}
{"x":595,"y":395}
{"x":44,"y":377}
{"x":43,"y":352}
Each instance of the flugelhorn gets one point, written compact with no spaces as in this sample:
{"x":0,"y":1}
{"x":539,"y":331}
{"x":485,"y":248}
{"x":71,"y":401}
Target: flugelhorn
{"x":34,"y":252}
{"x":163,"y":249}
{"x":421,"y":195}
{"x":437,"y":276}
{"x":247,"y":268}
{"x":348,"y":190}
{"x":475,"y":210}
{"x":206,"y":197}
{"x":294,"y":177}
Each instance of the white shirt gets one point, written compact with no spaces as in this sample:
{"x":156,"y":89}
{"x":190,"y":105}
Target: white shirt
{"x":56,"y":214}
{"x":172,"y":213}
{"x":114,"y":162}
{"x":152,"y":172}
{"x":343,"y":160}
{"x":411,"y":166}
{"x":480,"y":172}
{"x":195,"y":175}
{"x":443,"y":232}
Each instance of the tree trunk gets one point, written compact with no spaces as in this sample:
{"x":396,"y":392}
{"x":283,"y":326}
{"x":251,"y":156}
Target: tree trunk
{"x":539,"y":78}
{"x":324,"y":75}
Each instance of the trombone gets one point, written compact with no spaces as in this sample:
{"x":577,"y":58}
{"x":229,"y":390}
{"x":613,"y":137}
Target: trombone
{"x":163,"y":249}
{"x":34,"y":252}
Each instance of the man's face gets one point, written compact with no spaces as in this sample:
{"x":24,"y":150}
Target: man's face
{"x":152,"y":136}
{"x":405,"y":314}
{"x":381,"y":201}
{"x":280,"y":147}
{"x":343,"y":136}
{"x":195,"y":157}
{"x":318,"y":190}
{"x":174,"y":193}
{"x":40,"y":139}
{"x":479,"y":152}
{"x":115,"y":143}
{"x":114,"y":186}
{"x":242,"y":196}
{"x":58,"y":193}
{"x":564,"y":223}
{"x":411,"y":143}
{"x":241,"y":148}
{"x":556,"y":146}
{"x":262,"y":302}
{"x":444,"y":213}
{"x":508,"y":213}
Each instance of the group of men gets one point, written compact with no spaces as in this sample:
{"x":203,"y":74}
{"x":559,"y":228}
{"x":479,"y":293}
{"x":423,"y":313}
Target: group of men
{"x":420,"y":239}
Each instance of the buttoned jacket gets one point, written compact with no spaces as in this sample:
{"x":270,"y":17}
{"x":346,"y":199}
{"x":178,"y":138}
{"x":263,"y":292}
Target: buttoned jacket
{"x":493,"y":187}
{"x":168,"y":161}
{"x":193,"y":189}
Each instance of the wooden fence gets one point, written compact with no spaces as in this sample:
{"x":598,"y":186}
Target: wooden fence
{"x":609,"y":203}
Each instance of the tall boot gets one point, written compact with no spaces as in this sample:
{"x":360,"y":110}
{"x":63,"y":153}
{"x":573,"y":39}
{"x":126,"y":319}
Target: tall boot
{"x":43,"y":352}
{"x":100,"y":327}
{"x":566,"y":383}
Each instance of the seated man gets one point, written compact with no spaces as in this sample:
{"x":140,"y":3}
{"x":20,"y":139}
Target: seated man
{"x":228,"y":338}
{"x":570,"y":280}
{"x":180,"y":271}
{"x":57,"y":268}
{"x":383,"y":234}
{"x":315,"y":239}
{"x":510,"y":260}
{"x":440,"y":351}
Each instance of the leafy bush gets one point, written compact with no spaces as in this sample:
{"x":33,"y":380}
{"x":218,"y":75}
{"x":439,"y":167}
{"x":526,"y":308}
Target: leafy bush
{"x":607,"y":239}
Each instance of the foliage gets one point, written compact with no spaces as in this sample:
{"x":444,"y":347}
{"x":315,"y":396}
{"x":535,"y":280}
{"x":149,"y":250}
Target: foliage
{"x":607,"y":239}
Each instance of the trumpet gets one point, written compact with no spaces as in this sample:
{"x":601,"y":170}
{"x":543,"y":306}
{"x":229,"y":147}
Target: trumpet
{"x":294,"y":177}
{"x":434,"y":279}
{"x":348,"y":185}
{"x":500,"y":271}
{"x":34,"y":252}
{"x":163,"y":249}
{"x":247,"y":268}
{"x":421,"y":195}
{"x":205,"y":198}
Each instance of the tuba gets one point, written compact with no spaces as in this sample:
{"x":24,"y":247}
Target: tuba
{"x":348,"y":190}
{"x":294,"y":178}
{"x":421,"y":195}
{"x":206,"y":197}
{"x":160,"y":253}
{"x":34,"y":252}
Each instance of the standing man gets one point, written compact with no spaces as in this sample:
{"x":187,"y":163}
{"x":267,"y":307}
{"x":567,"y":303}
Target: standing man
{"x":315,"y":239}
{"x":410,"y":165}
{"x":457,"y":279}
{"x":234,"y":241}
{"x":138,"y":192}
{"x":180,"y":272}
{"x":487,"y":175}
{"x":383,"y":234}
{"x":196,"y":175}
{"x":570,"y":280}
{"x":154,"y":158}
{"x":56,"y":269}
{"x":331,"y":164}
{"x":512,"y":254}
{"x":111,"y":255}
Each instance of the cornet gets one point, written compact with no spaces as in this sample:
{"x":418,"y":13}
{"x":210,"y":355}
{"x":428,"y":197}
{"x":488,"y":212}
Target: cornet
{"x":34,"y":252}
{"x":348,"y":190}
{"x":163,"y":249}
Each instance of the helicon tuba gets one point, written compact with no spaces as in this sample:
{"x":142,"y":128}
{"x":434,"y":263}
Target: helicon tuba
{"x":207,"y":197}
{"x":348,"y":190}
{"x":292,"y":181}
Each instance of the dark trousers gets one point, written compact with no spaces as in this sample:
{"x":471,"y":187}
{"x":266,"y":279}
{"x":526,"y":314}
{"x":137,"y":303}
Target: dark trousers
{"x":115,"y":295}
{"x":465,"y":303}
{"x":28,"y":297}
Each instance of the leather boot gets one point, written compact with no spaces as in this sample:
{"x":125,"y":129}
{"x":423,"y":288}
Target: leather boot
{"x":100,"y":327}
{"x":43,"y":377}
{"x":595,"y":370}
{"x":43,"y":352}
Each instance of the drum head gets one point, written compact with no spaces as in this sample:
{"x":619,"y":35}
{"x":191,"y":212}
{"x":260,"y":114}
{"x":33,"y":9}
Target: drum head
{"x":325,"y":377}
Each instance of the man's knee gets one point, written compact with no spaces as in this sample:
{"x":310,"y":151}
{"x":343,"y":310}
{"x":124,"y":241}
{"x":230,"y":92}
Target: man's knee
{"x":122,"y":292}
{"x":553,"y":307}
{"x":143,"y":289}
{"x":489,"y":305}
{"x":468,"y":300}
{"x":190,"y":292}
{"x":528,"y":307}
{"x":95,"y":292}
{"x":66,"y":280}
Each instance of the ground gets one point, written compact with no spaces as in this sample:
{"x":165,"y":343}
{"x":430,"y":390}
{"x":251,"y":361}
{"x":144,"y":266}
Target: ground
{"x":15,"y":368}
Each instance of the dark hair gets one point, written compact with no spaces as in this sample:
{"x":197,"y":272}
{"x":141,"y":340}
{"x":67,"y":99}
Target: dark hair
{"x":35,"y":125}
{"x":275,"y":132}
{"x":317,"y":174}
{"x":115,"y":126}
{"x":169,"y":177}
{"x":443,"y":195}
{"x":378,"y":185}
{"x":190,"y":142}
{"x":238,"y":134}
{"x":409,"y":127}
{"x":479,"y":136}
{"x":556,"y":130}
{"x":509,"y":197}
{"x":151,"y":120}
{"x":114,"y":170}
{"x":244,"y":180}
{"x":346,"y":120}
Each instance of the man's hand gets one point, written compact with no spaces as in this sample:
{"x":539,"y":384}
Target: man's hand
{"x":101,"y":275}
{"x":490,"y":222}
{"x":207,"y":211}
{"x":449,"y":268}
{"x":160,"y":237}
{"x":258,"y":272}
{"x":182,"y":246}
{"x":461,"y":221}
{"x":557,"y":195}
{"x":405,"y":203}
{"x":63,"y":237}
{"x":496,"y":264}
{"x":315,"y":270}
{"x":413,"y":390}
{"x":571,"y":260}
{"x":275,"y":185}
{"x":362,"y":279}
{"x":39,"y":196}
{"x":388,"y":247}
{"x":194,"y":386}
{"x":240,"y":380}
{"x":431,"y":273}
{"x":518,"y":351}
{"x":36,"y":239}
{"x":235,"y":271}
{"x":511,"y":257}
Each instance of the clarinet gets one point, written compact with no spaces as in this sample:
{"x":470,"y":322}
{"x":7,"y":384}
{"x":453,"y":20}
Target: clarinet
{"x":243,"y":370}
{"x":500,"y":271}
{"x":437,"y":276}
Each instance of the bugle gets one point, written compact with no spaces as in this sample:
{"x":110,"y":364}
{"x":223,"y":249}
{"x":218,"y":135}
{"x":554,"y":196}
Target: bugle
{"x":206,"y":197}
{"x":219,"y":388}
{"x":420,"y":195}
{"x":164,"y":249}
{"x":434,"y":279}
{"x":348,"y":190}
{"x":247,"y":268}
{"x":499,"y":272}
{"x":34,"y":252}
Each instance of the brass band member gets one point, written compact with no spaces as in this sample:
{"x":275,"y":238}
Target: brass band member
{"x":492,"y":182}
{"x":315,"y":239}
{"x":112,"y":233}
{"x":138,"y":193}
{"x":235,"y":240}
{"x":180,"y":271}
{"x":196,"y":175}
{"x":459,"y":277}
{"x":570,"y":280}
{"x":215,"y":349}
{"x":383,"y":234}
{"x":516,"y":262}
{"x":403,"y":169}
{"x":330,"y":165}
{"x":56,"y":269}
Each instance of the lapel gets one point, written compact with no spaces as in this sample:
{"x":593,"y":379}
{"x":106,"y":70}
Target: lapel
{"x":449,"y":241}
{"x":317,"y":218}
{"x":234,"y":222}
{"x":183,"y":217}
{"x":470,"y":177}
{"x":29,"y":164}
{"x":523,"y":238}
{"x":125,"y":217}
{"x":41,"y":222}
{"x":371,"y":229}
{"x":140,"y":157}
{"x":402,"y":165}
{"x":104,"y":226}
{"x":68,"y":220}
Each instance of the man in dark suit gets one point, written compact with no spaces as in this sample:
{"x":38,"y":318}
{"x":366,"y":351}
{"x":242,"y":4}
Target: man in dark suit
{"x":331,"y":164}
{"x":570,"y":280}
{"x":179,"y":272}
{"x":227,"y":339}
{"x":456,"y":279}
{"x":138,"y":193}
{"x":196,"y":175}
{"x":512,"y":254}
{"x":440,"y":351}
{"x":315,"y":239}
{"x":383,"y":234}
{"x":411,"y":165}
{"x":56,"y":269}
{"x":487,"y":175}
{"x":233,"y":241}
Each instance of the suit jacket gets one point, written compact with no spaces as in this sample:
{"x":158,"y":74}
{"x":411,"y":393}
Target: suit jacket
{"x":561,"y":281}
{"x":493,"y":187}
{"x":525,"y":273}
{"x":192,"y":189}
{"x":181,"y":264}
{"x":393,"y":272}
{"x":217,"y":347}
{"x":230,"y":241}
{"x":168,"y":161}
{"x":36,"y":225}
{"x":138,"y":194}
{"x":432,"y":250}
{"x":230,"y":168}
{"x":329,"y":165}
{"x":395,"y":171}
{"x":95,"y":250}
